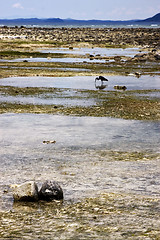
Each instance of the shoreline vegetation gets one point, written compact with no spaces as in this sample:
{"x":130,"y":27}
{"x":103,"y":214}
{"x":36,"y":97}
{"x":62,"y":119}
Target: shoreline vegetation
{"x":22,"y":42}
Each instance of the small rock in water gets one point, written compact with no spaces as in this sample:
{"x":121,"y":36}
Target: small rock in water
{"x":138,"y":74}
{"x":51,"y":190}
{"x":27,"y":191}
{"x":120,"y":87}
{"x":47,"y":142}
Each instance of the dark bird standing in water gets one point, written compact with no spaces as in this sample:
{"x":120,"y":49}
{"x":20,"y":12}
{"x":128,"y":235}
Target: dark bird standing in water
{"x":101,"y":78}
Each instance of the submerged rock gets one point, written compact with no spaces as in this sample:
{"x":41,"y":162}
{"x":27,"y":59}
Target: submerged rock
{"x":27,"y":191}
{"x":51,"y":190}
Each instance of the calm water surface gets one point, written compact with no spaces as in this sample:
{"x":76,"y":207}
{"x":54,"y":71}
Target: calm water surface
{"x":104,"y":52}
{"x":77,"y":158}
{"x":63,"y":60}
{"x":109,"y":52}
{"x":84,"y":82}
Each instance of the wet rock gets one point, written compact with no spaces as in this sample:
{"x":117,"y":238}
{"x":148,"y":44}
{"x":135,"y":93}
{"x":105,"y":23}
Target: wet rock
{"x":27,"y":191}
{"x":50,"y":190}
{"x":140,"y":57}
{"x":117,"y":58}
{"x":138,"y":74}
{"x":120,"y":87}
{"x":157,"y":56}
{"x":150,"y":56}
{"x":47,"y":142}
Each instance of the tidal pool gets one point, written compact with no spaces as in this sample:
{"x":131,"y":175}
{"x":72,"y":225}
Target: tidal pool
{"x":49,"y":68}
{"x":49,"y":100}
{"x":109,"y":52}
{"x":84,"y":82}
{"x":63,"y":60}
{"x":90,"y":156}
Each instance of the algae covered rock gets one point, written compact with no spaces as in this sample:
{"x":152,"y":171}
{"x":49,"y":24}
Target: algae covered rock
{"x":27,"y":191}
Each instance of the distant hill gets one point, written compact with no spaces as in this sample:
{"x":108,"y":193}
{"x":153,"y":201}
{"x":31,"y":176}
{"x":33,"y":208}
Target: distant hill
{"x":63,"y":22}
{"x":155,"y":19}
{"x":53,"y":21}
{"x":30,"y":21}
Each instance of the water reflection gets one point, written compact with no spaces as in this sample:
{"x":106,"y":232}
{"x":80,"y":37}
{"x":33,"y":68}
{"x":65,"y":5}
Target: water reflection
{"x":84,"y":82}
{"x":100,"y":85}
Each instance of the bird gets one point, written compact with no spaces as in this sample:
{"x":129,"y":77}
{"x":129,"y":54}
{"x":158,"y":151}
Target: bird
{"x":101,"y":78}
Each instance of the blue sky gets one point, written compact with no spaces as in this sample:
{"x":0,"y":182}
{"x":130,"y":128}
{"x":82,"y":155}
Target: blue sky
{"x":81,"y":9}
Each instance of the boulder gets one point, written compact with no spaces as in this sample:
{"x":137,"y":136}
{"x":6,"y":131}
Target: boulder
{"x":50,"y":190}
{"x":27,"y":191}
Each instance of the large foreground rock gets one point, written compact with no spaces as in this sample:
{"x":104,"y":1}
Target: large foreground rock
{"x":50,"y":190}
{"x":27,"y":191}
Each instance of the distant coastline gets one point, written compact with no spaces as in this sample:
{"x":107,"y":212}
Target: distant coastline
{"x":152,"y":21}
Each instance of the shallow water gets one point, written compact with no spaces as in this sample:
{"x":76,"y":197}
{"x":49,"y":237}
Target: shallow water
{"x":48,"y":101}
{"x":63,"y":60}
{"x":150,"y":95}
{"x":49,"y":68}
{"x":91,"y":156}
{"x":84,"y":82}
{"x":109,"y":52}
{"x":104,"y":52}
{"x":81,"y":158}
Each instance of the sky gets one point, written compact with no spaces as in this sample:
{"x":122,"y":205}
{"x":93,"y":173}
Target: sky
{"x":80,"y":9}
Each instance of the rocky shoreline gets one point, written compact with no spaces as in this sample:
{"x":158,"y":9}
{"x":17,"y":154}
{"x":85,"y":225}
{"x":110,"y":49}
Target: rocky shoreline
{"x":106,"y":191}
{"x":146,"y":37}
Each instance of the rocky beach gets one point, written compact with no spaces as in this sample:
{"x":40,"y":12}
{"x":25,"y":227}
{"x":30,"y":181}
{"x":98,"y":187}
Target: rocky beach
{"x":80,"y":106}
{"x":146,"y":37}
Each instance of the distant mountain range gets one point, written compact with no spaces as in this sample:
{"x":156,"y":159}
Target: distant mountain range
{"x":58,"y":21}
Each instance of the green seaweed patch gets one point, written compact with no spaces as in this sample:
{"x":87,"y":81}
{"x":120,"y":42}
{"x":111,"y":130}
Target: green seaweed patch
{"x":28,"y":91}
{"x":127,"y":156}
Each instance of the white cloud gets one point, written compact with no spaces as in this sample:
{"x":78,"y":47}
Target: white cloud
{"x":17,"y":5}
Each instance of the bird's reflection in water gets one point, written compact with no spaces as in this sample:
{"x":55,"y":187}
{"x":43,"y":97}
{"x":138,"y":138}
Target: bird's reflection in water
{"x":100,"y":85}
